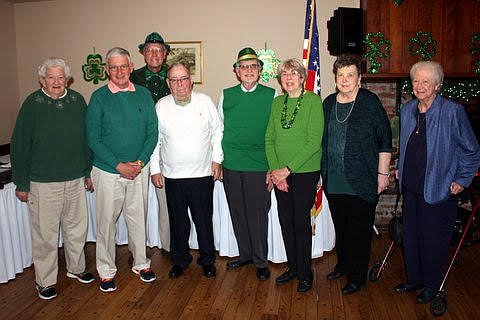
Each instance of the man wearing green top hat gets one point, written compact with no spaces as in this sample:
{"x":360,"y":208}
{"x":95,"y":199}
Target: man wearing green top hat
{"x":245,"y":110}
{"x":153,"y":76}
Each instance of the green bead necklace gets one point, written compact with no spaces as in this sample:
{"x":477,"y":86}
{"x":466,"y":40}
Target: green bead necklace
{"x":283,"y":118}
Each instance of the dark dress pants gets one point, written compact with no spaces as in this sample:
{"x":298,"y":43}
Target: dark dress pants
{"x":353,"y":219}
{"x":427,"y":232}
{"x":294,"y":214}
{"x":196,"y":194}
{"x":249,"y":203}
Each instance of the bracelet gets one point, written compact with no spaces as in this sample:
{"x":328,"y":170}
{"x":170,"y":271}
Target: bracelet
{"x":140,"y":163}
{"x":388,"y":174}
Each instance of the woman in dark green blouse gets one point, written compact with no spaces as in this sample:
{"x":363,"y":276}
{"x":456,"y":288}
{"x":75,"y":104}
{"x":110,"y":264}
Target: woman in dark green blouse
{"x":357,"y":146}
{"x":293,"y":147}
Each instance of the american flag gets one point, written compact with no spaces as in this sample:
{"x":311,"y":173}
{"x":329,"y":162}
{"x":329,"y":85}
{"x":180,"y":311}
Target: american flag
{"x":310,"y":49}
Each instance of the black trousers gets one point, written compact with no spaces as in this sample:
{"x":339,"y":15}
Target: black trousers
{"x":427,"y":232}
{"x":353,"y":219}
{"x":196,"y":194}
{"x":249,"y":203}
{"x":294,"y":214}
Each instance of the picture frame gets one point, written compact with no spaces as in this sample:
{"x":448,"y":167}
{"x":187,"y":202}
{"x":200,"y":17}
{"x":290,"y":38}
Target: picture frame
{"x":190,"y":53}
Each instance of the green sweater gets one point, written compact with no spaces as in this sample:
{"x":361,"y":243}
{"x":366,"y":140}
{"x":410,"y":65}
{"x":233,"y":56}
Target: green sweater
{"x":300,"y":147}
{"x":246,"y":117}
{"x":48,"y":143}
{"x":121,"y":127}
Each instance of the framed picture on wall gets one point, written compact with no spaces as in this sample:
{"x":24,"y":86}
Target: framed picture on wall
{"x":189,"y":53}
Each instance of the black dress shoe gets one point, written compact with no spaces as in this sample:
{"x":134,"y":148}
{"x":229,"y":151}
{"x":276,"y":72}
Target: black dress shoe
{"x":304,"y":285}
{"x":285,"y":277}
{"x":233,"y":264}
{"x":263,"y":273}
{"x":335,"y":274}
{"x":405,"y":287}
{"x":175,"y":272}
{"x":209,"y":271}
{"x":351,"y":288}
{"x":427,"y":295}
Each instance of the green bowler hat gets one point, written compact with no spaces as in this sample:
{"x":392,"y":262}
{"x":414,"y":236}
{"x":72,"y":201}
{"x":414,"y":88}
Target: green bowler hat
{"x":154,"y":38}
{"x":247,"y":54}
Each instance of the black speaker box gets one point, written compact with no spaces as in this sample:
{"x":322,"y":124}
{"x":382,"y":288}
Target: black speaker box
{"x":345,"y":31}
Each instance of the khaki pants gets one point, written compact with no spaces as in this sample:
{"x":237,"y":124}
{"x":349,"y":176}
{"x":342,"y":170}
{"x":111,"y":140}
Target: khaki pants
{"x":52,"y":203}
{"x":163,"y":221}
{"x":114,"y":194}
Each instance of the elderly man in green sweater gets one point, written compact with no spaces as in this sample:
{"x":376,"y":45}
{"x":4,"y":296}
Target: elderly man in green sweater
{"x":245,"y":110}
{"x":122,"y":133}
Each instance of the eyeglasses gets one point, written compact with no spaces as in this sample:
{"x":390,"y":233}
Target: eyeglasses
{"x":293,"y":73}
{"x":253,"y":66}
{"x":122,"y":67}
{"x":178,"y":80}
{"x":154,"y":50}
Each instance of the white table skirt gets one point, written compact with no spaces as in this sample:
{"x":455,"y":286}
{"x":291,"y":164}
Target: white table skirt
{"x":16,"y":248}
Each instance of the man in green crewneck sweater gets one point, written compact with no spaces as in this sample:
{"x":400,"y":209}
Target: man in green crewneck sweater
{"x":245,"y":110}
{"x":122,"y":133}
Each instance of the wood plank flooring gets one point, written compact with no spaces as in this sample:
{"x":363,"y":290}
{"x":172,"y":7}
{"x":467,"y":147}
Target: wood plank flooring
{"x":237,"y":294}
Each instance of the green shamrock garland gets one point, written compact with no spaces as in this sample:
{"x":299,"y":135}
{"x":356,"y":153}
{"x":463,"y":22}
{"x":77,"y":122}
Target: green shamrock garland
{"x":397,"y":2}
{"x":423,"y":43}
{"x":475,"y":48}
{"x":375,"y":43}
{"x":94,"y":69}
{"x":452,"y":89}
{"x":270,"y":64}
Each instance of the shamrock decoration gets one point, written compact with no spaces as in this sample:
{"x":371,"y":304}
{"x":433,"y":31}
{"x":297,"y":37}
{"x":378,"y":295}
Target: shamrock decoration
{"x":397,"y":2}
{"x":378,"y":46}
{"x":423,"y":43}
{"x":270,"y":64}
{"x":475,"y":43}
{"x":94,"y":69}
{"x":477,"y":70}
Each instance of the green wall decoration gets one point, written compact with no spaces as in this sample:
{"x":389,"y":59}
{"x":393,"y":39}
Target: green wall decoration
{"x":94,"y":69}
{"x":424,"y":44}
{"x":475,"y":48}
{"x":397,"y":2}
{"x":270,"y":64}
{"x":377,"y":46}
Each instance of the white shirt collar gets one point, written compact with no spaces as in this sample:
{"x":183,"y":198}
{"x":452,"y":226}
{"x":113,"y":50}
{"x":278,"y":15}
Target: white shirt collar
{"x":251,"y":90}
{"x":63,"y":95}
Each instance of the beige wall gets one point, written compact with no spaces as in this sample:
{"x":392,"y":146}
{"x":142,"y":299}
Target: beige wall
{"x":70,"y":29}
{"x":9,"y":79}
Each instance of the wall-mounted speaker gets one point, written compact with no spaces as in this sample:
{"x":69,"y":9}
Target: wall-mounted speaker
{"x":345,"y":31}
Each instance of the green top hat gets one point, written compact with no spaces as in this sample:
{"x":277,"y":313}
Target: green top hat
{"x":247,"y":54}
{"x":154,"y":38}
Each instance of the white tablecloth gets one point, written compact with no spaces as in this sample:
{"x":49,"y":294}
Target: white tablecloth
{"x":16,"y":249}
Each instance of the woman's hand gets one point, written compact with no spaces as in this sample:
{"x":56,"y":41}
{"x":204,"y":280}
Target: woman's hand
{"x":279,"y":175}
{"x":282,"y":185}
{"x":383,"y":182}
{"x":456,"y":188}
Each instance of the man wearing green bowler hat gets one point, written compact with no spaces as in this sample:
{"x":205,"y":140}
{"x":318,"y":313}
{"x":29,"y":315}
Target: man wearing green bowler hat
{"x":153,"y":76}
{"x":245,"y":110}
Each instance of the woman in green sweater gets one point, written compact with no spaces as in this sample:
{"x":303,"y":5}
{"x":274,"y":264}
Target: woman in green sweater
{"x":293,"y":146}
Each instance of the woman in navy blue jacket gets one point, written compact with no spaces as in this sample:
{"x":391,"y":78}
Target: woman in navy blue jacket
{"x":439,"y":156}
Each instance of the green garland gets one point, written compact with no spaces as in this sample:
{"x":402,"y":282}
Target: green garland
{"x":377,"y":46}
{"x":397,"y":2}
{"x":423,"y":43}
{"x":452,"y":89}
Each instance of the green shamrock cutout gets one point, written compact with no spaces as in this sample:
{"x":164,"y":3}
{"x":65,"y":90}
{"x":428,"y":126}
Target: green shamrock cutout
{"x":94,"y":69}
{"x":377,"y":46}
{"x":423,"y":43}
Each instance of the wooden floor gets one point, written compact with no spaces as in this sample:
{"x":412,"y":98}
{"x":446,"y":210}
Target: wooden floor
{"x":237,"y":294}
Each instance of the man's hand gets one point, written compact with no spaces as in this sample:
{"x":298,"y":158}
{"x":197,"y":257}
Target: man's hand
{"x":157,"y":180}
{"x":88,"y":184}
{"x":456,"y":188}
{"x":279,"y":174}
{"x":216,"y":170}
{"x":128,"y":170}
{"x":22,"y":195}
{"x":269,"y":182}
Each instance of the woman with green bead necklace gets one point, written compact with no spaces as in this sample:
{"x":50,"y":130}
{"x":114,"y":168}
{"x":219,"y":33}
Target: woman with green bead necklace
{"x":293,"y":146}
{"x":357,"y":146}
